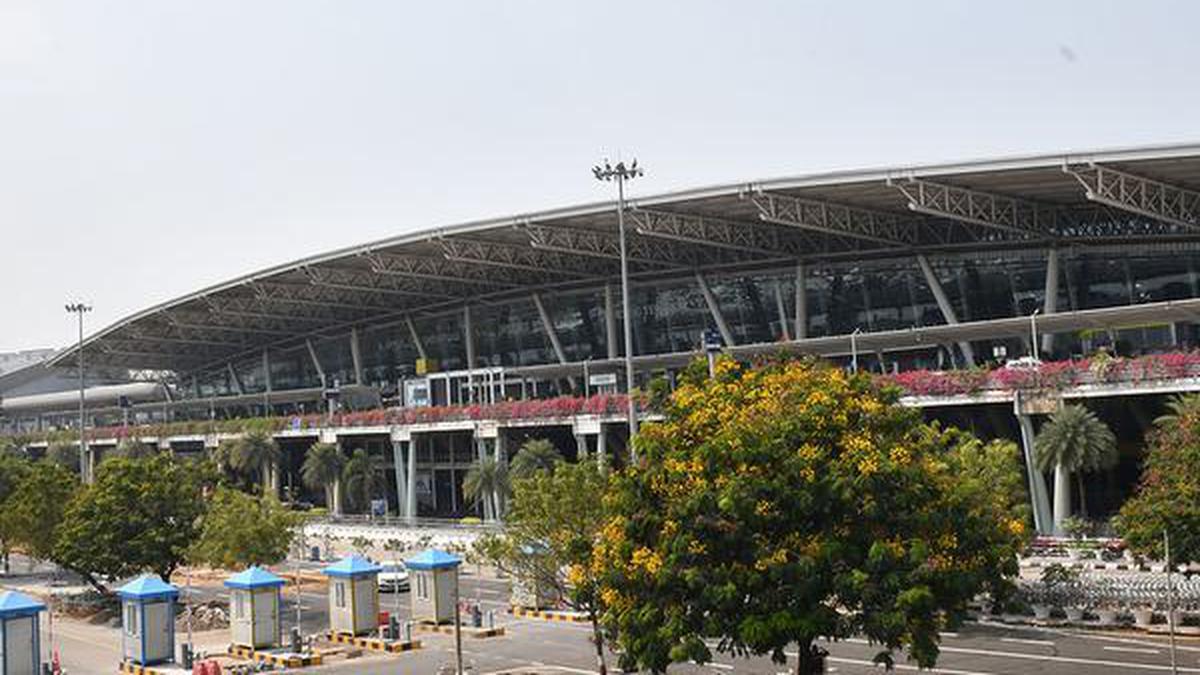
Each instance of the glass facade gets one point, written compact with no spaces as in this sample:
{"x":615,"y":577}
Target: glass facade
{"x":870,"y":296}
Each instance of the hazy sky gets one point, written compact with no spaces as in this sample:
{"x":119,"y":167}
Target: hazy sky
{"x":150,"y":148}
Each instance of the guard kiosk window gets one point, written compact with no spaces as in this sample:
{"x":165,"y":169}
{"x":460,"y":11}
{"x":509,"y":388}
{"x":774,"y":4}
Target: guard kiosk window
{"x":131,"y":622}
{"x":339,"y":594}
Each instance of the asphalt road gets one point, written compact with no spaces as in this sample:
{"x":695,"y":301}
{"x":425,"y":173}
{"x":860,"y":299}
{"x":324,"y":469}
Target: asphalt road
{"x":975,"y":650}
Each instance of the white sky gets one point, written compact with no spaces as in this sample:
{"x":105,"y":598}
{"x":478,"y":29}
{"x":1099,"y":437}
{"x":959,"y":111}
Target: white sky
{"x":150,"y":148}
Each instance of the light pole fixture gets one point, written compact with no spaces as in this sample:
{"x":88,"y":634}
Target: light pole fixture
{"x":854,"y":350}
{"x":621,"y":173}
{"x":1033,"y":344}
{"x":79,"y":309}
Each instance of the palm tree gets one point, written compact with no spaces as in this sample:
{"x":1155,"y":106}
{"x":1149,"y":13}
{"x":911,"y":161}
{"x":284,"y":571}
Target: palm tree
{"x":322,"y":470}
{"x":363,"y":477}
{"x":1179,"y":408}
{"x":1073,"y":441}
{"x":487,"y":482}
{"x":255,"y":455}
{"x":537,"y":454}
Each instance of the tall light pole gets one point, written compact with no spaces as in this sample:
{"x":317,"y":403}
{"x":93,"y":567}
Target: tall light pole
{"x":1033,"y":345}
{"x":621,"y":173}
{"x":79,"y":309}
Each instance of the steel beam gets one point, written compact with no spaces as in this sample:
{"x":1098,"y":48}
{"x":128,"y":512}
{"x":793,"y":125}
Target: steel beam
{"x":1137,"y":194}
{"x":435,"y":269}
{"x":643,"y":251}
{"x":755,"y":238}
{"x":975,"y":207}
{"x":524,"y":258}
{"x":312,"y":354}
{"x":548,"y":326}
{"x":235,"y":380}
{"x":1050,"y":300}
{"x":369,"y":283}
{"x":801,"y":301}
{"x":416,"y":337}
{"x":878,"y":227}
{"x":356,"y":356}
{"x":312,"y":296}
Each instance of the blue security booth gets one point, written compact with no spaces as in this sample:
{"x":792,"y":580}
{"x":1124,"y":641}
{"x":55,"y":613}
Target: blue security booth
{"x":254,"y":602}
{"x":353,"y":595}
{"x":433,"y":580}
{"x":148,"y":620}
{"x":20,"y":639}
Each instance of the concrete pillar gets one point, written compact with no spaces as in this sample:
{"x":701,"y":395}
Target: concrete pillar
{"x":1050,"y":305}
{"x":489,"y":513}
{"x":410,"y":492}
{"x":469,"y":341}
{"x":801,"y":301}
{"x":1062,"y":498}
{"x":398,"y":471}
{"x":602,"y":448}
{"x":581,"y":446}
{"x":1037,"y":482}
{"x":943,"y":303}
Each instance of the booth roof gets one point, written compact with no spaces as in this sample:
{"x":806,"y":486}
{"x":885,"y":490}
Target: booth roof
{"x":352,"y":566}
{"x":146,"y":587}
{"x":433,"y":559}
{"x":13,"y":604}
{"x":254,"y":577}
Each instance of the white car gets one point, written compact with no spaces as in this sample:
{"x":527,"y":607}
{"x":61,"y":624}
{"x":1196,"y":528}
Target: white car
{"x":393,"y":578}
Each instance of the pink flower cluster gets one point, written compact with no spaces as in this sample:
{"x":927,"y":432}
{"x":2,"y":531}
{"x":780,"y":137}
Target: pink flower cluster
{"x":1053,"y":375}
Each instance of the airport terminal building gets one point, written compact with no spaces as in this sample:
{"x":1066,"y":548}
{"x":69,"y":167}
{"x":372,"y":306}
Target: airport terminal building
{"x":938,"y":267}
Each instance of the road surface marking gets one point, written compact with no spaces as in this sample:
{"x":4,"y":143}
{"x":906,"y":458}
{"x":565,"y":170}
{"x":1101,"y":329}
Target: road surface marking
{"x":1133,"y":650}
{"x":902,"y":666}
{"x":1024,"y":641}
{"x":1103,"y":663}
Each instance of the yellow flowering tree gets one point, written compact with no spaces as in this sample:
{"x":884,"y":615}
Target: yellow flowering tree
{"x":785,"y":504}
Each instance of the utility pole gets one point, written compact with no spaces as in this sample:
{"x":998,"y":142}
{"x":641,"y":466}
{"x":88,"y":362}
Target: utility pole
{"x":79,"y":309}
{"x":1170,"y":600}
{"x":621,"y":173}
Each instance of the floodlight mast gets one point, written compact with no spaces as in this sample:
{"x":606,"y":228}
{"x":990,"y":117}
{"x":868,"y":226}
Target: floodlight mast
{"x":79,"y":309}
{"x":621,"y":173}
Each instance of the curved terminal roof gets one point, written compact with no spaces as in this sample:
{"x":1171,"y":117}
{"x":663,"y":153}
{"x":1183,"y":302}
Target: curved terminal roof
{"x":1145,"y":194}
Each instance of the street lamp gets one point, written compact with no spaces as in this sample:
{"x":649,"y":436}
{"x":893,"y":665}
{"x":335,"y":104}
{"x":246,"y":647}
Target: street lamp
{"x":1033,"y":345}
{"x":854,"y":350}
{"x":621,"y":173}
{"x":79,"y":309}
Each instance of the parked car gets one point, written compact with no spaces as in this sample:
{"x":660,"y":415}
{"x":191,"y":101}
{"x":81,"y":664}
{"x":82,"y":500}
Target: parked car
{"x":393,"y":578}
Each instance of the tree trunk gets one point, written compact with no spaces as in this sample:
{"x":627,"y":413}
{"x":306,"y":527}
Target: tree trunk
{"x":601,"y":666}
{"x":810,"y":660}
{"x":1083,"y":510}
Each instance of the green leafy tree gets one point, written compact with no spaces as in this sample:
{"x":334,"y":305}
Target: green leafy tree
{"x":239,"y":530}
{"x":13,"y":469}
{"x":65,"y":455}
{"x":536,"y":455}
{"x":363,"y":478}
{"x":778,"y":506}
{"x":549,"y":536}
{"x":322,"y":470}
{"x":139,"y":515}
{"x":1073,"y":442}
{"x":1167,"y":498}
{"x":254,"y":456}
{"x":487,"y":482}
{"x":994,"y":470}
{"x":33,"y":511}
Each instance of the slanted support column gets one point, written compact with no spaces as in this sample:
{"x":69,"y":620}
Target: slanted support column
{"x":610,"y":322}
{"x":266,"y":365}
{"x":715,"y":310}
{"x":1038,"y":495}
{"x":312,"y":353}
{"x":801,"y":300}
{"x":943,"y":303}
{"x":783,"y":317}
{"x":234,"y":379}
{"x":1050,"y":305}
{"x":356,"y":356}
{"x":416,"y":337}
{"x":548,"y":326}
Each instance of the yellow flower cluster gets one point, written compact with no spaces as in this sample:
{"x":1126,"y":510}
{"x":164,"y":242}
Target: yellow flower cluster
{"x":645,"y":559}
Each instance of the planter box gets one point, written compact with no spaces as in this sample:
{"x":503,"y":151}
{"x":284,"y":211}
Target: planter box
{"x":1143,"y":617}
{"x":1074,"y":614}
{"x":1041,"y":612}
{"x":1106,"y":617}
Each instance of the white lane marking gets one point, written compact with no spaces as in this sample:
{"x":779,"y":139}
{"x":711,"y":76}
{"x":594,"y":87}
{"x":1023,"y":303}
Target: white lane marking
{"x":1103,"y":663}
{"x":948,"y":634}
{"x":1132,"y":650}
{"x":1024,"y":641}
{"x":903,"y":666}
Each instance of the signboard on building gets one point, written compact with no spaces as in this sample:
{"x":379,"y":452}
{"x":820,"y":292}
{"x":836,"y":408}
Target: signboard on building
{"x":603,"y":380}
{"x":416,"y":393}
